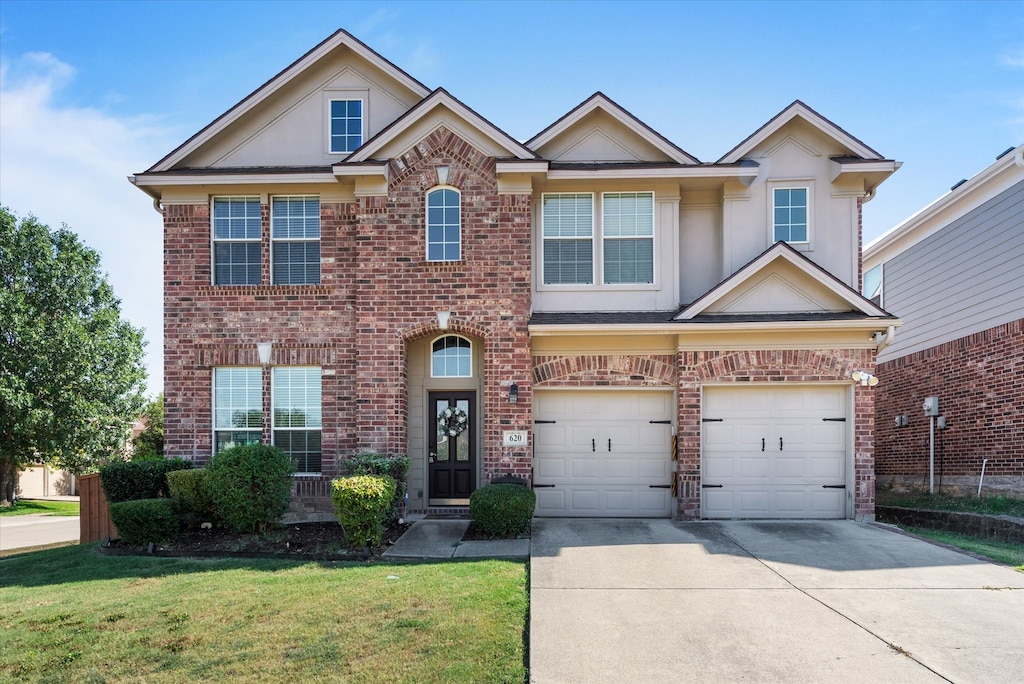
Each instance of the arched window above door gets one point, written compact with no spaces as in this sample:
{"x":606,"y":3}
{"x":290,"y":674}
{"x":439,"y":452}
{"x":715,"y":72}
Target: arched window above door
{"x":451,"y":356}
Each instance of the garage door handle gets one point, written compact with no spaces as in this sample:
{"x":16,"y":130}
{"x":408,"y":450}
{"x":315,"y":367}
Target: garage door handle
{"x":842,"y":486}
{"x":704,"y":486}
{"x":780,"y":444}
{"x":593,"y":445}
{"x":609,"y":444}
{"x":762,"y":444}
{"x":538,"y":486}
{"x":659,"y":486}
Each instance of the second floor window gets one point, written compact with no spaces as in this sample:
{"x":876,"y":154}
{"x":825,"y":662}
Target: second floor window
{"x":567,"y":225}
{"x":295,"y":240}
{"x":236,"y":241}
{"x":444,"y":225}
{"x":628,"y":231}
{"x":790,"y":214}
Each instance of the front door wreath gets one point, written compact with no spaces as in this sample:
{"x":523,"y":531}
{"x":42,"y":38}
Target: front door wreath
{"x":451,"y":422}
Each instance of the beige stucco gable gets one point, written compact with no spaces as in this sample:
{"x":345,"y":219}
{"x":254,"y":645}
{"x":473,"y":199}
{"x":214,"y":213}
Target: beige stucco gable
{"x":285,"y":122}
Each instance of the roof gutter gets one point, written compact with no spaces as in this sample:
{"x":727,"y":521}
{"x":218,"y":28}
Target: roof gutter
{"x":883,"y":340}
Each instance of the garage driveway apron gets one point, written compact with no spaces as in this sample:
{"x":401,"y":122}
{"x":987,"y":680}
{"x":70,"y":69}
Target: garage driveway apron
{"x":839,"y":601}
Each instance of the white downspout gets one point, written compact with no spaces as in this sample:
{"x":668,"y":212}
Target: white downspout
{"x":883,"y":340}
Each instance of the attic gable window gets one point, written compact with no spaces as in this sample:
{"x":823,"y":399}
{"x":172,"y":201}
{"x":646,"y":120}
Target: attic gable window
{"x":790,"y":214}
{"x":346,"y":126}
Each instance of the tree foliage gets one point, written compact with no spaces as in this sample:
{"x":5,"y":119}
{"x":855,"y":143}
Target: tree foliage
{"x":149,"y":443}
{"x":71,"y":373}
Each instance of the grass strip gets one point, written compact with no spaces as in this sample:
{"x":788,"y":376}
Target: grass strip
{"x":1002,"y":552}
{"x":991,"y":505}
{"x":74,"y":615}
{"x":27,"y":506}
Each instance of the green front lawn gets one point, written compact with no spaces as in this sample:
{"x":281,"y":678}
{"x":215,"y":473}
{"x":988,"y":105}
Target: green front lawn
{"x":991,"y":504}
{"x":74,"y":615}
{"x":26,"y":506}
{"x":1002,"y":552}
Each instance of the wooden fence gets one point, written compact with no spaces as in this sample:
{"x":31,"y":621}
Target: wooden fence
{"x":94,"y":519}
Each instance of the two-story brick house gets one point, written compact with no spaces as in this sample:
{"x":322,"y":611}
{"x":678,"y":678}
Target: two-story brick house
{"x":634,"y":331}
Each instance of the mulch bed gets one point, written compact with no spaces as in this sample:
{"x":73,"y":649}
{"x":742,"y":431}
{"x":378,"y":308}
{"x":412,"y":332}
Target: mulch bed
{"x":303,"y":541}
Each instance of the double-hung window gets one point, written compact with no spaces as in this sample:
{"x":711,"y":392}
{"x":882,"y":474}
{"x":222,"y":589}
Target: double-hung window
{"x":346,"y":125}
{"x":567,"y":226}
{"x":628,"y":233}
{"x":236,"y":241}
{"x":237,"y":407}
{"x":789,"y":207}
{"x":444,"y":225}
{"x":297,"y":415}
{"x":295,"y":240}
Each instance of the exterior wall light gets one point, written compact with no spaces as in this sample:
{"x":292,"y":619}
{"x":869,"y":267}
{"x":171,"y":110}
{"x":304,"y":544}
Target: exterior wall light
{"x":864,"y":378}
{"x":442,"y":319}
{"x":264,"y":349}
{"x":513,"y":393}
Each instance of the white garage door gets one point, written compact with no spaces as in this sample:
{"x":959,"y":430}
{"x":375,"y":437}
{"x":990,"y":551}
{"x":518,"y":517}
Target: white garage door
{"x":774,"y":452}
{"x":603,"y":453}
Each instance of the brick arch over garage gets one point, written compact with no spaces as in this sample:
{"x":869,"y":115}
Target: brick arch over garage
{"x":697,"y":368}
{"x":604,"y":370}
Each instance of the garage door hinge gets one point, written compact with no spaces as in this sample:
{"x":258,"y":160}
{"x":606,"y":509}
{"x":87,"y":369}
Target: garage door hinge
{"x":834,"y":420}
{"x":842,"y":486}
{"x":704,"y":486}
{"x":543,"y":422}
{"x":711,"y":420}
{"x":660,"y":422}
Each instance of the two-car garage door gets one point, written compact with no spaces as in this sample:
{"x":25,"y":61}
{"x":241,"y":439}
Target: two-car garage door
{"x":603,"y":453}
{"x":774,"y":452}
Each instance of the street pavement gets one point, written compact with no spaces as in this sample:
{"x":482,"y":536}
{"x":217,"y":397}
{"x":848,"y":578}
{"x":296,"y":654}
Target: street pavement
{"x":37,"y":529}
{"x":743,"y":601}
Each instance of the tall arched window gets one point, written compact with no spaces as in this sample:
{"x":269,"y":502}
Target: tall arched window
{"x":451,"y":357}
{"x":444,"y":225}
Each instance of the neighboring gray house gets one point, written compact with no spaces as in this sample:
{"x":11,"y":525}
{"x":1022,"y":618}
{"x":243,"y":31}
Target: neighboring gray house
{"x":954,"y":272}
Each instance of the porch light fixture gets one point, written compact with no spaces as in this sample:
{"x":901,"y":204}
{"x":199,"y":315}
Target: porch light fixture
{"x":442,"y":319}
{"x":442,"y":175}
{"x":864,"y":378}
{"x":264,"y":349}
{"x":513,"y":393}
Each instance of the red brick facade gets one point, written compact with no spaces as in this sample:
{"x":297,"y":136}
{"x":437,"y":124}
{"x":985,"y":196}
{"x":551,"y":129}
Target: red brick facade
{"x":979,"y":380}
{"x":377,"y":293}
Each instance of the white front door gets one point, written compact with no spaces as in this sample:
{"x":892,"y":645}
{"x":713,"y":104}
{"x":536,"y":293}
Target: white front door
{"x":603,"y":453}
{"x":774,"y":452}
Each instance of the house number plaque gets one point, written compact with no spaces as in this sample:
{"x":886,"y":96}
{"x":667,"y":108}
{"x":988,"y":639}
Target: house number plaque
{"x":513,"y":438}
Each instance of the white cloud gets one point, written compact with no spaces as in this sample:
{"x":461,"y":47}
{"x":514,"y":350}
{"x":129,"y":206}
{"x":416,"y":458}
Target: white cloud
{"x":68,"y":165}
{"x":1013,"y":58}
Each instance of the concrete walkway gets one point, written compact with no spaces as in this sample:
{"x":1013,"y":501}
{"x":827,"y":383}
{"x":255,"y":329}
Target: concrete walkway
{"x":428,"y":539}
{"x":37,"y":530}
{"x":838,"y":601}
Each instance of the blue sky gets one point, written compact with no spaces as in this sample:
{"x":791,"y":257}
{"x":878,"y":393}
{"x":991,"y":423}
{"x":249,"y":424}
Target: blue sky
{"x":91,"y":92}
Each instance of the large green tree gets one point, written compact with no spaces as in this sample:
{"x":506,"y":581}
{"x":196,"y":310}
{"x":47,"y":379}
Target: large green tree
{"x":149,"y":443}
{"x":71,"y":373}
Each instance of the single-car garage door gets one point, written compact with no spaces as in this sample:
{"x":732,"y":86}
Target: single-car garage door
{"x":774,"y":452}
{"x":603,"y":453}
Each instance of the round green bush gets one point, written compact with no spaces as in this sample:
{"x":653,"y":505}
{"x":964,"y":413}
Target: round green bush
{"x":190,"y":489}
{"x":141,"y":521}
{"x":362,"y":503}
{"x":250,"y":485}
{"x":372,"y":463}
{"x":129,"y":480}
{"x":503,"y":510}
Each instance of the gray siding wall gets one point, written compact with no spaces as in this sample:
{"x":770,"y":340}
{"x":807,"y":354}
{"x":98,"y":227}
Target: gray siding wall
{"x":965,"y":278}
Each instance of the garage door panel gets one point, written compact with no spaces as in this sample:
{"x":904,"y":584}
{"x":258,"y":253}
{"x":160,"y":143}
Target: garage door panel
{"x":785,"y":480}
{"x":613,"y":455}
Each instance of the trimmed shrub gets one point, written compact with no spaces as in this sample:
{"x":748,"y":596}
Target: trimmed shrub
{"x":250,"y":485}
{"x":395,"y":467}
{"x":362,"y":502}
{"x":189,"y":488}
{"x":131,"y":480}
{"x":503,"y":510}
{"x":145,"y":520}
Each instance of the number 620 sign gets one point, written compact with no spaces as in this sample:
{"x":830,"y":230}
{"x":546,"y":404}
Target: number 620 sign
{"x":512,"y":438}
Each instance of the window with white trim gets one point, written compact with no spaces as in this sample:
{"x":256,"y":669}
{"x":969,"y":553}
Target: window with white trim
{"x":297,"y":415}
{"x":451,"y":357}
{"x":790,"y":214}
{"x":874,"y":279}
{"x":627,"y":227}
{"x":346,"y":125}
{"x":237,"y":407}
{"x":567,"y":227}
{"x":295,"y":240}
{"x":444,"y":225}
{"x":236,"y":241}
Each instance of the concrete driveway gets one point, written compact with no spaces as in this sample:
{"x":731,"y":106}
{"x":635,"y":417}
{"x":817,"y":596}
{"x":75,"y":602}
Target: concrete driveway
{"x":654,"y":601}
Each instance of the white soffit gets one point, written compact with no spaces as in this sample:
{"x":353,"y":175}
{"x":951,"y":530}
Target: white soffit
{"x":752,"y":274}
{"x":339,"y":38}
{"x":799,"y":109}
{"x":603,"y":102}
